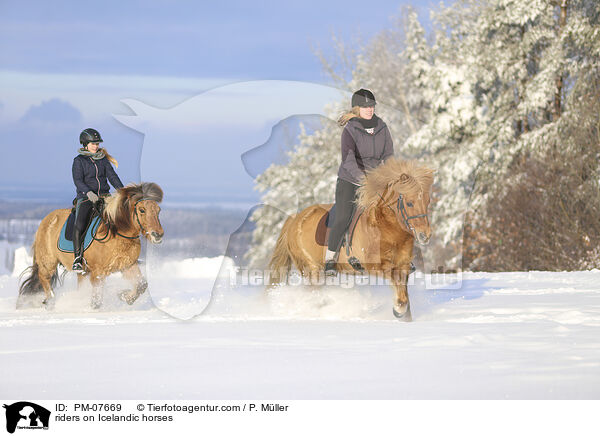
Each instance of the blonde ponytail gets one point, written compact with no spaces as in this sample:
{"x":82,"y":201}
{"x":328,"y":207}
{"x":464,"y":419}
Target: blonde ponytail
{"x":111,"y":159}
{"x":346,"y":116}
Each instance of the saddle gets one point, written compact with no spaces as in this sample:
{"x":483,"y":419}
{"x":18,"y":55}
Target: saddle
{"x":322,"y":232}
{"x":65,"y":239}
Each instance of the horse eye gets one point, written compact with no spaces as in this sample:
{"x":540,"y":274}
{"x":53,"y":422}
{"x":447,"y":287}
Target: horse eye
{"x":142,"y":210}
{"x":409,"y":204}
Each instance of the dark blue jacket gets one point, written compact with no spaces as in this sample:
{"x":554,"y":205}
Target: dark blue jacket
{"x":91,"y":175}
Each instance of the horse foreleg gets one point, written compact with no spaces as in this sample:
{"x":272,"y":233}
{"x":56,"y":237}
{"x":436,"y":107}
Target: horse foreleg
{"x":135,"y":277}
{"x":399,"y":279}
{"x":97,"y":291}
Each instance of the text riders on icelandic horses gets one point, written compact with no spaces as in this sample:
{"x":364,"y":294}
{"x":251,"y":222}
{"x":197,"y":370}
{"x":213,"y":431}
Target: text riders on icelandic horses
{"x":390,"y":198}
{"x":106,"y":228}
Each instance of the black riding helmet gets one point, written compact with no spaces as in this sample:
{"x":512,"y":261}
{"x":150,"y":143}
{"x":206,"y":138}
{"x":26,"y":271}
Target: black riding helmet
{"x":89,"y":135}
{"x":363,"y":98}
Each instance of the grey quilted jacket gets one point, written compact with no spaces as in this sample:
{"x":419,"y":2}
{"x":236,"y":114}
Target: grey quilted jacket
{"x":362,"y":150}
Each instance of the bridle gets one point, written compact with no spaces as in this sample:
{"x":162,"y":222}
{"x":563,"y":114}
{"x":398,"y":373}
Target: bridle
{"x":401,"y":209}
{"x":142,"y":230}
{"x":107,"y":224}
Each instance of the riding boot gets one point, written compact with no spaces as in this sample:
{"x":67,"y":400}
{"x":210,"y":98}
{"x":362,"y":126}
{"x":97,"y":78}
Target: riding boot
{"x":331,"y":262}
{"x":78,"y":263}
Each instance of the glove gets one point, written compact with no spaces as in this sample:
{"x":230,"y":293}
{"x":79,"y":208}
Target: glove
{"x":93,"y":197}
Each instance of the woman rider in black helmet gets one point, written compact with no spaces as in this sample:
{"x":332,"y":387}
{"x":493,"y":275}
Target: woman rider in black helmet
{"x":91,"y":167}
{"x":366,"y":143}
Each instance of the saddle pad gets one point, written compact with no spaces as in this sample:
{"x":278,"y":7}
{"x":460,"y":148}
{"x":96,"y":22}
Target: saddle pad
{"x":322,"y":230}
{"x":66,"y":246}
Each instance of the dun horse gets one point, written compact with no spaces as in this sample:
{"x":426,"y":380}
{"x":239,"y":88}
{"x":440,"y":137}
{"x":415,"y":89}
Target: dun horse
{"x":394,"y":198}
{"x":132,"y":210}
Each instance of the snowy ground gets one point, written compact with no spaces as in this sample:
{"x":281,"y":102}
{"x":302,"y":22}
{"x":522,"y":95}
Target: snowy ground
{"x":504,"y":335}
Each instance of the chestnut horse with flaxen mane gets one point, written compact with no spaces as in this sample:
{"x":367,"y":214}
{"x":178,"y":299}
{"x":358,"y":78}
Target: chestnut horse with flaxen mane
{"x":394,"y":198}
{"x":132,"y":210}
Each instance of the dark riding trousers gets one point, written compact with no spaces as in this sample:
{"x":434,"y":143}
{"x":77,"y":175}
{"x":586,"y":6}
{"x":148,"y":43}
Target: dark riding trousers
{"x":345,"y":193}
{"x":83,"y":210}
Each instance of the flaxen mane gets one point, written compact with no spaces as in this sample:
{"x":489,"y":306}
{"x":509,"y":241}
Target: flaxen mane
{"x":118,"y":206}
{"x":405,"y":177}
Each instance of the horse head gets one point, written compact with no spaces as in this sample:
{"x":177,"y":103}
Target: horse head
{"x":135,"y":209}
{"x":410,"y":207}
{"x":404,"y":188}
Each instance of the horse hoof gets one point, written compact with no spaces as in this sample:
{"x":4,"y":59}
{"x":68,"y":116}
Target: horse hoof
{"x":96,"y":303}
{"x":48,"y":303}
{"x":124,"y":296}
{"x":402,"y":312}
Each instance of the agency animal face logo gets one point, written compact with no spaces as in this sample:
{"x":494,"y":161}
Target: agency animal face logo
{"x":26,"y":415}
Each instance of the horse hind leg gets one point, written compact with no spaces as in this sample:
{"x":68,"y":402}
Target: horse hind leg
{"x":39,"y":280}
{"x":277,"y":276}
{"x":48,"y":276}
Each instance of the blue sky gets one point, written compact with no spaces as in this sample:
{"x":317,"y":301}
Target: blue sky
{"x":66,"y":65}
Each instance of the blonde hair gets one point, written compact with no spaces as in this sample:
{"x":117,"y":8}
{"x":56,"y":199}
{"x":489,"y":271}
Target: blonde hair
{"x":111,"y":159}
{"x":346,"y":116}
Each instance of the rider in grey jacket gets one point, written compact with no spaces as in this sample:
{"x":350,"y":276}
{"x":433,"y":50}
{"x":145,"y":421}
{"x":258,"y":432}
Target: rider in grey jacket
{"x":366,"y":143}
{"x":361,"y":149}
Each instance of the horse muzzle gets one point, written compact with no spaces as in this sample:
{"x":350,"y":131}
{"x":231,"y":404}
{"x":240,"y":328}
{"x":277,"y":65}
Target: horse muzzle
{"x":156,"y":238}
{"x":422,"y":238}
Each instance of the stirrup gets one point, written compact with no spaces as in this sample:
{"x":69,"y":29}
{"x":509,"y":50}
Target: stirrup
{"x":355,"y":264}
{"x":79,"y":265}
{"x":330,"y":267}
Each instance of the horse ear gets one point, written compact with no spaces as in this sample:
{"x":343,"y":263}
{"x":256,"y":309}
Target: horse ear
{"x":404,"y":177}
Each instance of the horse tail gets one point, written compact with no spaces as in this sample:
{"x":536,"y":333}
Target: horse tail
{"x":32,"y":284}
{"x":281,"y":261}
